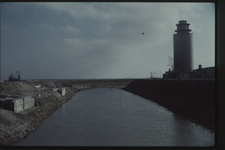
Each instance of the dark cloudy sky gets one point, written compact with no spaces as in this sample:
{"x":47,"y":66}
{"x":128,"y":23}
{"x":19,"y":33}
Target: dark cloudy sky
{"x":99,"y":40}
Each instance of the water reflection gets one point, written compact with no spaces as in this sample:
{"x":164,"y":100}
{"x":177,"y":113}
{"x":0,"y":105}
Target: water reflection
{"x":113,"y":117}
{"x":190,"y":134}
{"x":63,"y":108}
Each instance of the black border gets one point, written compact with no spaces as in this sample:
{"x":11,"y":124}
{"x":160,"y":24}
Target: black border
{"x":219,"y":54}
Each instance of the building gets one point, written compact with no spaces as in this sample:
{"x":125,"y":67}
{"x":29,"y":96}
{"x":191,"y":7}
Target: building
{"x":183,"y":56}
{"x":208,"y":72}
{"x":183,"y":47}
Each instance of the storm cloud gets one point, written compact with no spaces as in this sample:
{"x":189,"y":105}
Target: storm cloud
{"x":99,"y":40}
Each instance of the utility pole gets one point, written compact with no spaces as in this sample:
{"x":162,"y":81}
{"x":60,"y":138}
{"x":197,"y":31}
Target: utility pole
{"x":158,"y":73}
{"x":180,"y":14}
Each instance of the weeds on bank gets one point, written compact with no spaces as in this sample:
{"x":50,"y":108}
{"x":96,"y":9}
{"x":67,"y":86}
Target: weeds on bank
{"x":5,"y":121}
{"x":21,"y":116}
{"x":39,"y":101}
{"x":10,"y":89}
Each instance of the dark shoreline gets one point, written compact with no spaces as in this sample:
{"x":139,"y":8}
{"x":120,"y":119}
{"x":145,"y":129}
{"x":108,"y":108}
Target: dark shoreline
{"x":193,"y":100}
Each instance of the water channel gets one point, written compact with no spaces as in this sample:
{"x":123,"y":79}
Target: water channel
{"x":113,"y":117}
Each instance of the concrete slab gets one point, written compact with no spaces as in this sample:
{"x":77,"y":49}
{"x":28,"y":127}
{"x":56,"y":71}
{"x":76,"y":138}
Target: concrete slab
{"x":37,"y":86}
{"x":18,"y":104}
{"x":62,"y":91}
{"x":28,"y":102}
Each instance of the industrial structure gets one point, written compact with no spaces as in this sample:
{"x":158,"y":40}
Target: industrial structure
{"x":183,"y":56}
{"x":13,"y":78}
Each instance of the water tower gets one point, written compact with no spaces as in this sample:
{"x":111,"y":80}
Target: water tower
{"x":183,"y":47}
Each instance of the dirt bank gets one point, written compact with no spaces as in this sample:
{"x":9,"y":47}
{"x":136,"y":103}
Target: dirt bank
{"x":193,"y":100}
{"x":15,"y":126}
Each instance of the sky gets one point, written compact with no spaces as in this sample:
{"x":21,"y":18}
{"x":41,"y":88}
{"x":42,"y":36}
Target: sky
{"x":72,"y":40}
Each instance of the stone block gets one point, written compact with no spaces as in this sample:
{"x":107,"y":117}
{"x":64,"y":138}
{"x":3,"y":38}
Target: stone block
{"x":12,"y":104}
{"x":28,"y":102}
{"x":62,"y":91}
{"x":37,"y":86}
{"x":18,"y":104}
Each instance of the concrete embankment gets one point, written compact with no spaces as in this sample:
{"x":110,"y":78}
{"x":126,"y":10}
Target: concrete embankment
{"x":193,"y":100}
{"x":48,"y":95}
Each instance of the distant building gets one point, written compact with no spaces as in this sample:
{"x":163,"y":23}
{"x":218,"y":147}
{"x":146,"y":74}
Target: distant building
{"x":208,"y":72}
{"x":183,"y":56}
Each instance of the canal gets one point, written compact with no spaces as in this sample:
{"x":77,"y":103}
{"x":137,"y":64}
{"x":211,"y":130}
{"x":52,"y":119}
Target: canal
{"x":113,"y":117}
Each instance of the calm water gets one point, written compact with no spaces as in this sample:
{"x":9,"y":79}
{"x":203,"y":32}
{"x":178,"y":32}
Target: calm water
{"x":113,"y":117}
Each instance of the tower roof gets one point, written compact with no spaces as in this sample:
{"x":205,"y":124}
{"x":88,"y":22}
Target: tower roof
{"x":183,"y":27}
